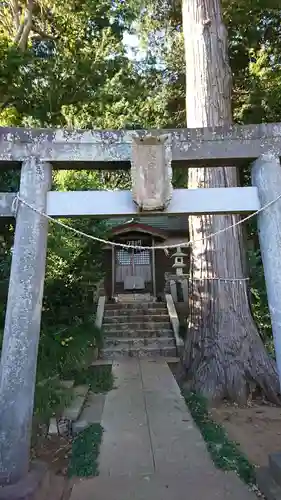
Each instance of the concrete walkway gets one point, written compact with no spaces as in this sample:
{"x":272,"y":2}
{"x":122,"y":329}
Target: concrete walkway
{"x":151,"y":448}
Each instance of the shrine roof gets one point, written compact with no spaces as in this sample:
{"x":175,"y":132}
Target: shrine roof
{"x":166,"y":223}
{"x":139,"y":228}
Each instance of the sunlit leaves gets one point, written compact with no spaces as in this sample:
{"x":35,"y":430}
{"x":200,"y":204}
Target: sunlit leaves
{"x":73,"y":50}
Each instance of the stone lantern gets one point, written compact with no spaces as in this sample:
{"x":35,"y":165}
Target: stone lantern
{"x":179,"y":263}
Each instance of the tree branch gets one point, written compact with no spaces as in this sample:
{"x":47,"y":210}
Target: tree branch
{"x":15,"y":12}
{"x":27,"y":25}
{"x":19,"y":33}
{"x":42,"y":33}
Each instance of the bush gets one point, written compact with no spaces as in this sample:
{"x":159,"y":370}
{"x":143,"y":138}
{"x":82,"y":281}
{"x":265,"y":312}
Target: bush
{"x":63,"y":350}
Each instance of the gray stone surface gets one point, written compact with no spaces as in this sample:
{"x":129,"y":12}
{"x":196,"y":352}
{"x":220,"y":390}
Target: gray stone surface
{"x":205,"y":485}
{"x":151,"y":172}
{"x":173,"y":316}
{"x":6,"y":204}
{"x":131,"y":331}
{"x":100,"y":311}
{"x":137,"y":332}
{"x":270,"y":489}
{"x":79,"y":426}
{"x":53,"y":427}
{"x":129,"y":307}
{"x":108,"y":204}
{"x":275,"y":466}
{"x":22,"y":323}
{"x":173,"y":433}
{"x":151,"y":449}
{"x":131,"y":342}
{"x":266,"y":176}
{"x":112,"y":149}
{"x":149,"y":324}
{"x":120,"y":353}
{"x":118,"y":318}
{"x":73,"y":411}
{"x":112,"y":310}
{"x":93,"y":408}
{"x":28,"y":487}
{"x":126,"y":447}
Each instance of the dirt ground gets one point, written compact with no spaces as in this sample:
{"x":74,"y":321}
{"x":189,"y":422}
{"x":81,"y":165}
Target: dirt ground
{"x":256,"y":428}
{"x":54,"y":451}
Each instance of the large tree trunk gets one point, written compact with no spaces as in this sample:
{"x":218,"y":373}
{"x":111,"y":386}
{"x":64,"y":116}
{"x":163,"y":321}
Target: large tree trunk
{"x":224,"y":355}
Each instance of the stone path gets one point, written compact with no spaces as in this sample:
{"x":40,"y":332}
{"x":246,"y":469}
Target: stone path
{"x":151,"y":448}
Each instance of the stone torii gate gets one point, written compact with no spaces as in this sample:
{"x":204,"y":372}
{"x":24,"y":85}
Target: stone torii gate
{"x":150,"y":154}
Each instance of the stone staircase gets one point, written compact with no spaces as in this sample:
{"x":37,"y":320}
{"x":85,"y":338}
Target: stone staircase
{"x":137,"y":329}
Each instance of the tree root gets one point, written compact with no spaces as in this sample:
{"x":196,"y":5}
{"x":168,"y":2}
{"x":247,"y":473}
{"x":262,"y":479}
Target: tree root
{"x":230,"y":366}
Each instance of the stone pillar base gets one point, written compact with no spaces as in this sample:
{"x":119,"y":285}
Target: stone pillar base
{"x":28,"y":488}
{"x":177,"y":286}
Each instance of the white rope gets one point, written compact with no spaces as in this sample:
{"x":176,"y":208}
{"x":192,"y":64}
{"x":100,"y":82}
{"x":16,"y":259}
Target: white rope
{"x":15,"y":204}
{"x":139,"y":247}
{"x":216,"y":279}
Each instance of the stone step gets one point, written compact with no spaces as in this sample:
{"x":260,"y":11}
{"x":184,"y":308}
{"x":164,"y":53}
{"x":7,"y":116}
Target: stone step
{"x":138,"y":309}
{"x":136,"y":318}
{"x":135,"y":312}
{"x":72,"y":412}
{"x":91,"y":413}
{"x":137,"y":332}
{"x":138,"y":352}
{"x":131,"y":342}
{"x":117,"y":306}
{"x":143,"y":325}
{"x":135,"y":297}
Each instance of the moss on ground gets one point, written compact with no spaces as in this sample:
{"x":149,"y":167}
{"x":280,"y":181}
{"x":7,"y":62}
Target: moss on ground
{"x":86,"y":445}
{"x":85,"y":452}
{"x":225,"y":453}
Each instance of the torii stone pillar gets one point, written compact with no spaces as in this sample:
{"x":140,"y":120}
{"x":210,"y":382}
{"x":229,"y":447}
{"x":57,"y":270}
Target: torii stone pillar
{"x":22,"y":325}
{"x":266,"y":176}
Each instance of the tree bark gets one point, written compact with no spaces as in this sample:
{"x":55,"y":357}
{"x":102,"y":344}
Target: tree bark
{"x":224,"y":356}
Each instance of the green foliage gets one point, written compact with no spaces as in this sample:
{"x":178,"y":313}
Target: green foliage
{"x":50,"y":398}
{"x":99,"y":378}
{"x":74,"y":266}
{"x":72,"y":70}
{"x":225,"y":453}
{"x":72,"y":52}
{"x":65,"y":348}
{"x":254,"y":49}
{"x":85,"y":452}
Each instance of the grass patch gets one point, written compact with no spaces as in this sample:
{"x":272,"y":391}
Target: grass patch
{"x":50,"y":398}
{"x":225,"y":453}
{"x":63,"y":350}
{"x":85,"y":452}
{"x":99,"y":378}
